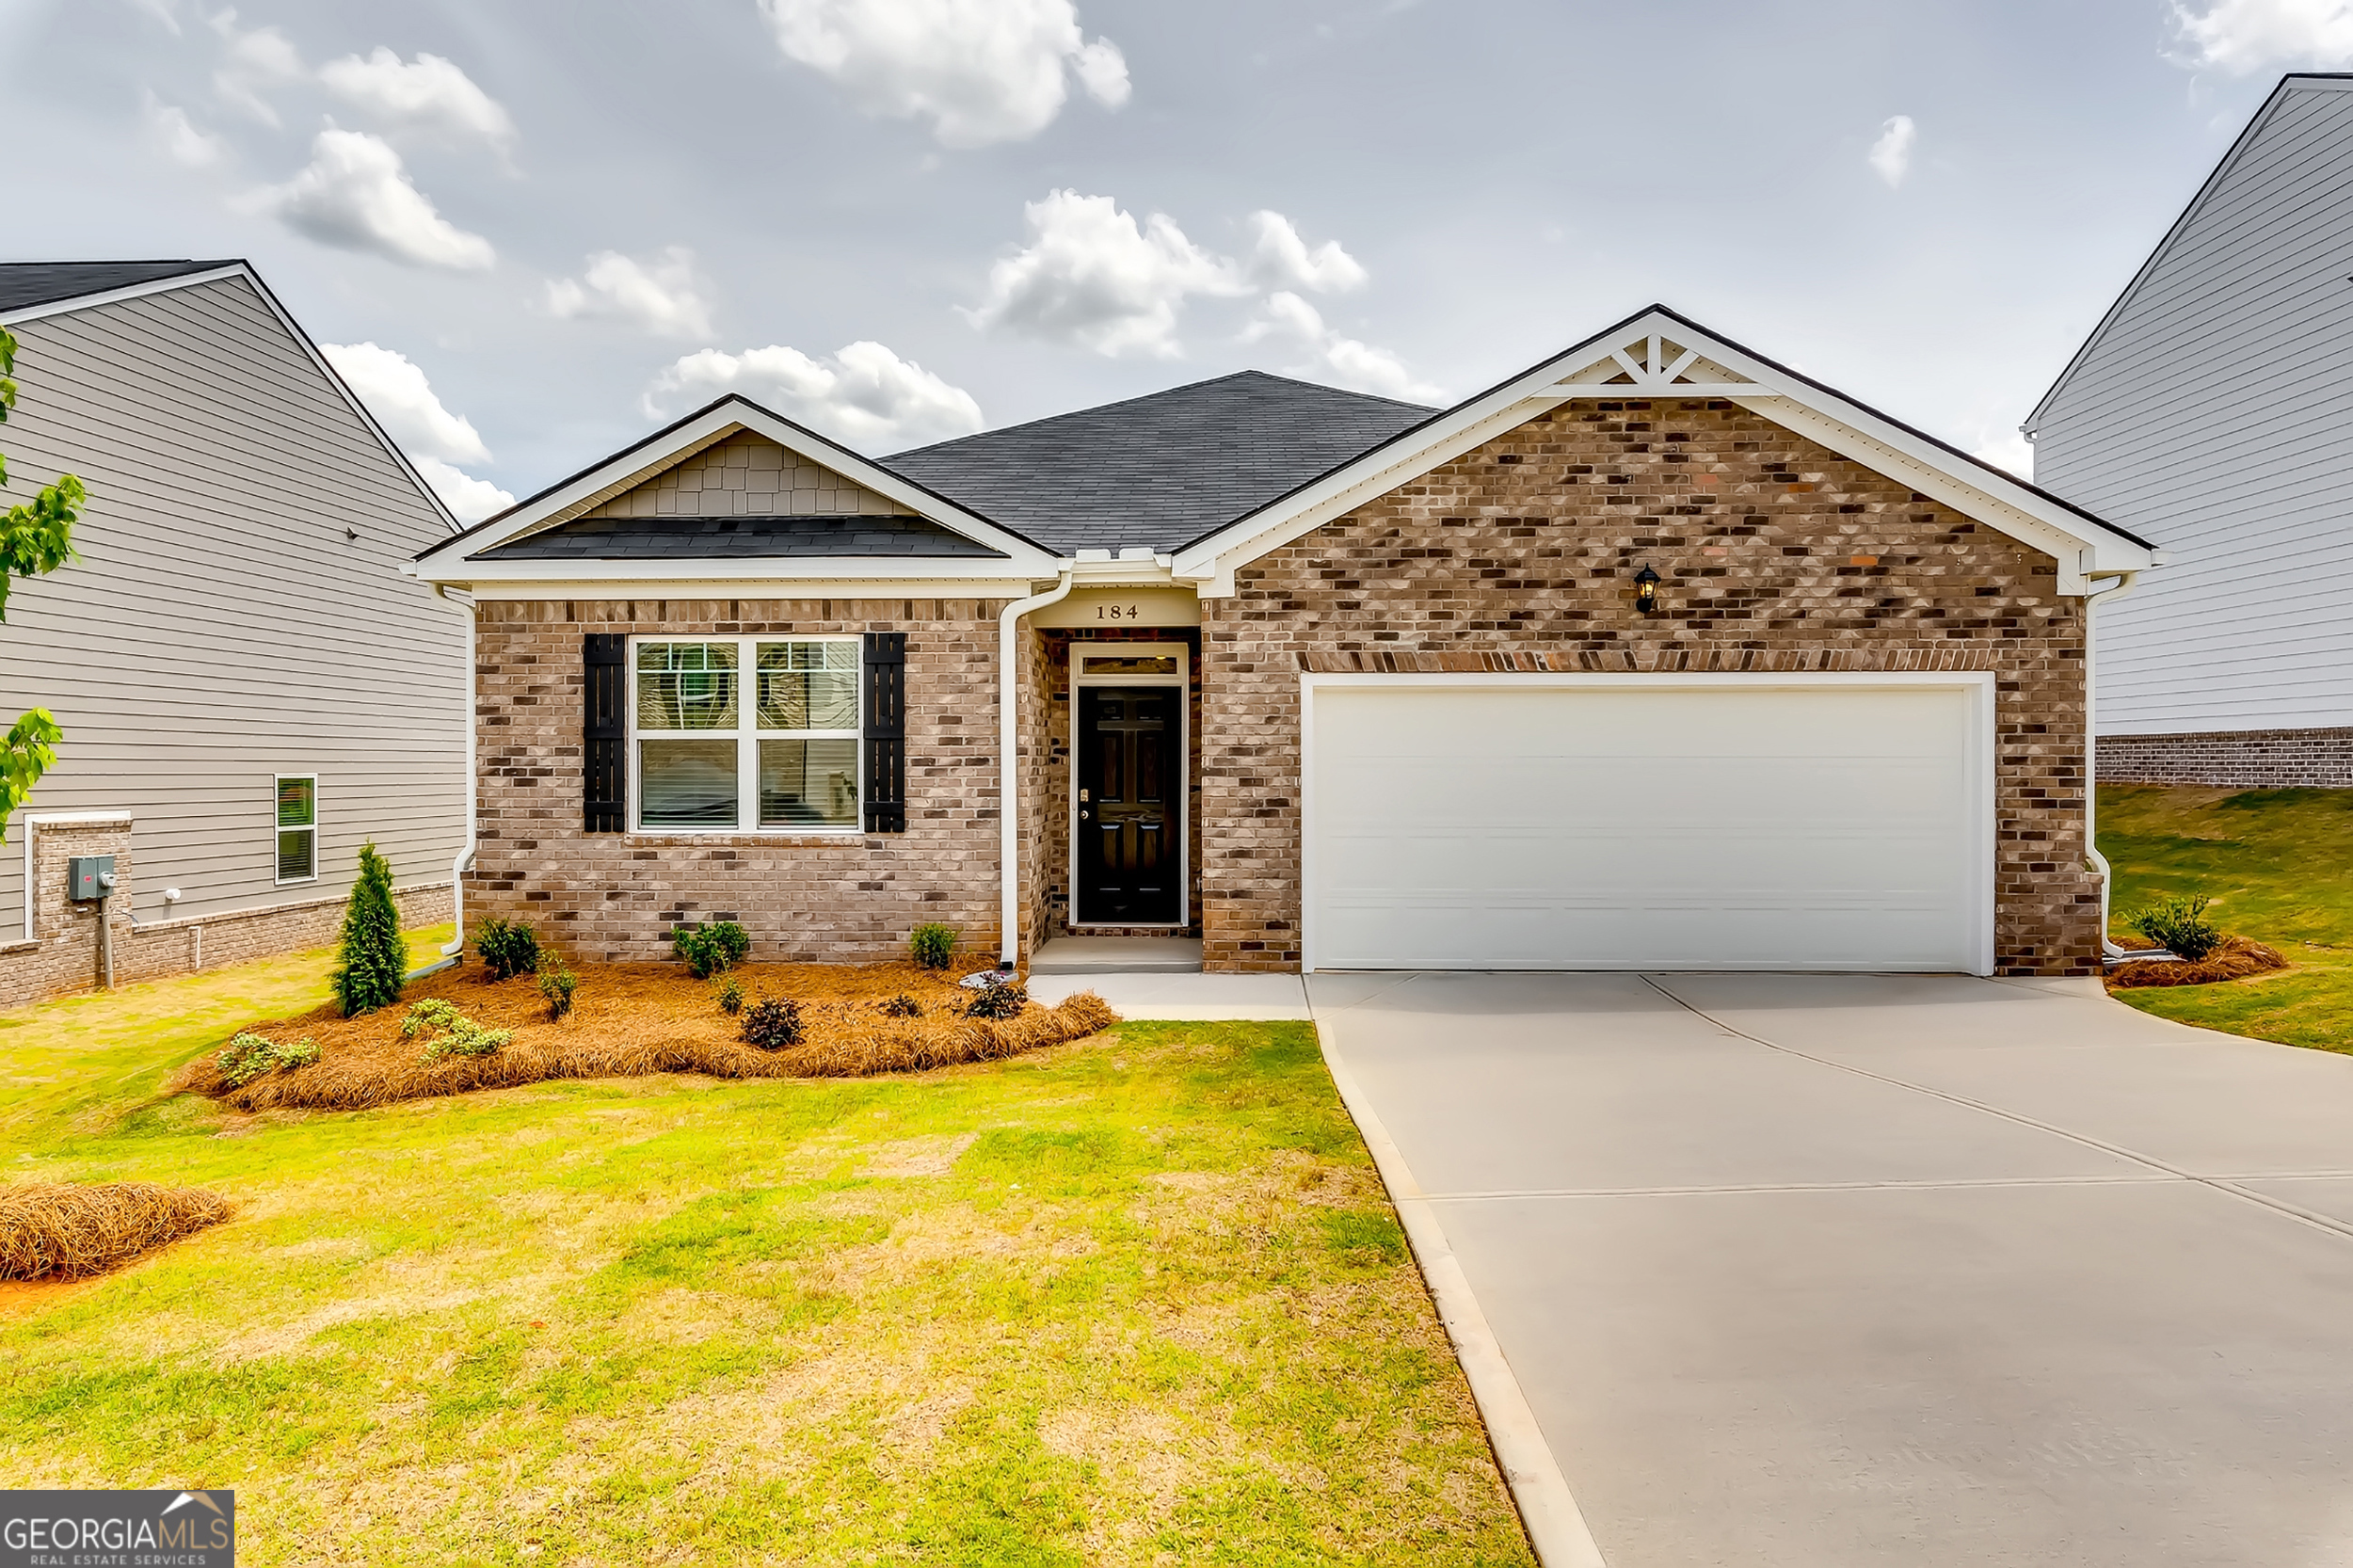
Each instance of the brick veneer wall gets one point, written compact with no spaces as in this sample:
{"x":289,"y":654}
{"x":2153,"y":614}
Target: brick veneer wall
{"x":62,"y":958}
{"x":2239,"y":759}
{"x":616,"y":896}
{"x":1778,"y":555}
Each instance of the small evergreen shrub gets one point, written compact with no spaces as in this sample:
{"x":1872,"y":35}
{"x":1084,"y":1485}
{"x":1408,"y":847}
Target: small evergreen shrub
{"x":771,"y":1025}
{"x":728,"y":994}
{"x":931,"y":943}
{"x":2179,"y":925}
{"x":557,"y":984}
{"x":902,"y":1006}
{"x":506,"y":948}
{"x":709,"y":949}
{"x":372,"y":961}
{"x":1004,"y":1000}
{"x":248,"y":1056}
{"x":449,"y":1033}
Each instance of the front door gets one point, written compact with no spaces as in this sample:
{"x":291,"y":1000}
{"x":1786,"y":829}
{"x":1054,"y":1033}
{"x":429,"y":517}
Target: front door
{"x":1131,"y":806}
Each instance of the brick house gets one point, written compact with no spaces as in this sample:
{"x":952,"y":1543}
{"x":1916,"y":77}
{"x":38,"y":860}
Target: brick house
{"x":1659,"y":655}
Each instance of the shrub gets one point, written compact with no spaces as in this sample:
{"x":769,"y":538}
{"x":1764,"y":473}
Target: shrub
{"x":771,"y":1025}
{"x":449,"y":1033}
{"x":2179,"y":925}
{"x":931,"y":943}
{"x":248,"y":1056}
{"x":709,"y":949}
{"x":1003,"y":1000}
{"x":728,"y":994}
{"x":506,"y":948}
{"x":902,"y":1006}
{"x":557,"y":984}
{"x":373,"y":960}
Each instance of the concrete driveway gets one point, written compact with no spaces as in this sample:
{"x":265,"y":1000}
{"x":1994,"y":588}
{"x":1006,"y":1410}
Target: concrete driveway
{"x":1809,"y":1270}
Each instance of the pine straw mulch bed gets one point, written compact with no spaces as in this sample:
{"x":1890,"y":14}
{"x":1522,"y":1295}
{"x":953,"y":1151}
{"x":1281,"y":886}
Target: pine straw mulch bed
{"x":62,"y":1231}
{"x":632,"y":1020}
{"x":2236,"y":959}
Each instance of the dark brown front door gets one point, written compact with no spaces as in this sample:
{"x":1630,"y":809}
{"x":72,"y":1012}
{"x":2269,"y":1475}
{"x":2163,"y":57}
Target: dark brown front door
{"x":1131,"y":806}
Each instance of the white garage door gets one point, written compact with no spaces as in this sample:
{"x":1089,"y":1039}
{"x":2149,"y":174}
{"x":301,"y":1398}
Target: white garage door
{"x":1703,"y":823}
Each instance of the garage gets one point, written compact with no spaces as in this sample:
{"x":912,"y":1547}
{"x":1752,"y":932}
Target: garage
{"x":1649,"y":821}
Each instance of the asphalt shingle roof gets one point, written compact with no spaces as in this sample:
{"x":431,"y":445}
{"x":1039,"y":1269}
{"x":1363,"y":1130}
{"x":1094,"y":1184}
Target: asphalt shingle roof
{"x":25,"y":284}
{"x":1159,"y":470}
{"x":738,"y":538}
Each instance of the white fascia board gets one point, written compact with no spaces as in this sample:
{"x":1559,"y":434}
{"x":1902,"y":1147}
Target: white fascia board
{"x":769,"y":569}
{"x":1982,"y":494}
{"x":710,"y":588}
{"x":294,"y":331}
{"x":446,"y":563}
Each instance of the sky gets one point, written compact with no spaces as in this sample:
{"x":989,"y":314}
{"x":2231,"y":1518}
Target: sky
{"x":527,"y":233}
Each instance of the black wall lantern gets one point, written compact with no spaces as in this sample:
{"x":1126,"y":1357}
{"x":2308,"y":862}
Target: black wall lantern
{"x":1646,"y":590}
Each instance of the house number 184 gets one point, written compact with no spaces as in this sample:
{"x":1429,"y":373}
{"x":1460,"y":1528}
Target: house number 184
{"x":1117,"y":612}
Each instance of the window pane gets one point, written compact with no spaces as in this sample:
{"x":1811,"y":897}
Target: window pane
{"x":298,"y":802}
{"x":809,"y":784}
{"x":1153,"y":664}
{"x":686,"y":685}
{"x":809,"y":686}
{"x":295,"y":859}
{"x":686,"y":783}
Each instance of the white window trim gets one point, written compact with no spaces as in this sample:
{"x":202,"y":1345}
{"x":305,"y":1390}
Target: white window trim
{"x":746,"y":735}
{"x":277,"y":783}
{"x":1982,"y":762}
{"x":1182,"y":681}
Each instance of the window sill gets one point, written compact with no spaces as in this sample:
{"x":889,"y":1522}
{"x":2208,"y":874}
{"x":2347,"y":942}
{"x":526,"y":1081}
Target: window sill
{"x":748,"y":838}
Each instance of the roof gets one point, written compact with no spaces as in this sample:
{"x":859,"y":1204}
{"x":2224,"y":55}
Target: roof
{"x":2323,"y":168}
{"x":738,"y":538}
{"x":25,"y":284}
{"x":1163,"y":469}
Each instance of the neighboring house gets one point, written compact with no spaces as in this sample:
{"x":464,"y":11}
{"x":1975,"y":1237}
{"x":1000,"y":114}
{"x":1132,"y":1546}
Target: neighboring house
{"x":248,"y":685}
{"x":1335,"y":683}
{"x":2212,"y":408}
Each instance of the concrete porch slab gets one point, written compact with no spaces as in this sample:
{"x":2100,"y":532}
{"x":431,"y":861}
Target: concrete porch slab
{"x":1183,"y":998}
{"x":1118,"y":955}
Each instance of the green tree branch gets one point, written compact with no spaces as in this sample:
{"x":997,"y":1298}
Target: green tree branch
{"x":33,"y":540}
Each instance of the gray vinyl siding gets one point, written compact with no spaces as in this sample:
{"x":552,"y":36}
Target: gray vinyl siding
{"x":2213,"y":415}
{"x":219,"y":627}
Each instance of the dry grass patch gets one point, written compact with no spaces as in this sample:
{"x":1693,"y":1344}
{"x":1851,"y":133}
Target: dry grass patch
{"x":63,"y":1230}
{"x":2236,"y":959}
{"x":629,"y":1020}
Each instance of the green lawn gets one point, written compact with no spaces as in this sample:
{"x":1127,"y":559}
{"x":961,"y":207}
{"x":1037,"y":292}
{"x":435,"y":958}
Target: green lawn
{"x":1133,"y":1301}
{"x":2279,"y":865}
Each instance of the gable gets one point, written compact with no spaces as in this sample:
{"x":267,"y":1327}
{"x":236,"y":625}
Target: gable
{"x":746,"y":475}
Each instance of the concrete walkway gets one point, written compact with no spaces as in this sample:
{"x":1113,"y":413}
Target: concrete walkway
{"x":1823,"y":1270}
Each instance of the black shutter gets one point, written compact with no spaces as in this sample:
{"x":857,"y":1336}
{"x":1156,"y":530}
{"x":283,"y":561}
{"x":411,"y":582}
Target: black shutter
{"x":886,"y":732}
{"x":604,"y":733}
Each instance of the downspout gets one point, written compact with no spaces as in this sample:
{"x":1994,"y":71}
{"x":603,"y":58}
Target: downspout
{"x":2108,"y":949}
{"x":459,"y":867}
{"x":1009,"y":767}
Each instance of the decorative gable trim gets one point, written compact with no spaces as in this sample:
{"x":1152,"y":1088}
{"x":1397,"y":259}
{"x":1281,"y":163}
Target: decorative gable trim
{"x":1661,"y":355}
{"x":457,"y":559}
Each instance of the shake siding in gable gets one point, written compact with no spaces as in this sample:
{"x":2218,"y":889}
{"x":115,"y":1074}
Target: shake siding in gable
{"x":220,"y":626}
{"x":2213,"y":415}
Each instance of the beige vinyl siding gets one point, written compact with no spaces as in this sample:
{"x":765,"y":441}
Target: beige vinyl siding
{"x":2213,"y":414}
{"x":220,"y":629}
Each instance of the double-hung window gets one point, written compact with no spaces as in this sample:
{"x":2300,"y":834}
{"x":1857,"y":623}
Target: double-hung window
{"x":736,"y":733}
{"x":297,"y":827}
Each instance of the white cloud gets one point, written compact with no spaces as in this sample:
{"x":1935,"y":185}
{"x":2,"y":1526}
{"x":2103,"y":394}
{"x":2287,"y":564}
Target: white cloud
{"x":253,"y":60}
{"x":1092,"y":276}
{"x":2008,"y":450}
{"x":1890,"y":155}
{"x":2243,"y":36}
{"x":403,"y":401}
{"x":179,"y":136}
{"x":981,"y":71}
{"x":662,"y":296}
{"x":1333,"y":358}
{"x":865,"y":396}
{"x":428,"y":94}
{"x":469,"y":500}
{"x":355,"y":195}
{"x":1280,"y":259}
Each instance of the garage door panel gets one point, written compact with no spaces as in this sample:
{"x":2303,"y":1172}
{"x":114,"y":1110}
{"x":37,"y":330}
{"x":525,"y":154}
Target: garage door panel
{"x":1597,"y":828}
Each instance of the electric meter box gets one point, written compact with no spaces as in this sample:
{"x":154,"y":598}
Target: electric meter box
{"x":90,"y":876}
